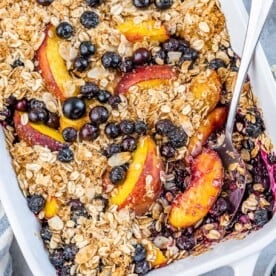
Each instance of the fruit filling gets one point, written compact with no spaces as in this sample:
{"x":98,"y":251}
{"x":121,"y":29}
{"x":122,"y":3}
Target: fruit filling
{"x":111,"y":111}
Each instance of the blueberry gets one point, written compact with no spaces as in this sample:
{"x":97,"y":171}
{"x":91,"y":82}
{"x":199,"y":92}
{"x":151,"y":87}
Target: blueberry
{"x":56,"y":258}
{"x":190,"y":55}
{"x":141,"y":56}
{"x":35,"y":203}
{"x":89,"y":132}
{"x":261,"y":217}
{"x":99,"y":114}
{"x":216,"y":63}
{"x":180,"y":175}
{"x":45,"y":2}
{"x":36,"y":104}
{"x":69,"y":252}
{"x":65,"y":155}
{"x":87,"y":48}
{"x":164,"y":126}
{"x":53,"y":120}
{"x":126,"y":65}
{"x":112,"y":130}
{"x":141,"y":3}
{"x":64,"y":271}
{"x":163,"y":4}
{"x":69,"y":134}
{"x":255,"y":129}
{"x":220,"y":207}
{"x":17,"y":63}
{"x":45,"y":233}
{"x":22,"y":105}
{"x":112,"y":149}
{"x":89,"y":90}
{"x":94,"y":3}
{"x":141,"y":127}
{"x":38,"y":115}
{"x":103,"y":96}
{"x":117,"y":174}
{"x":114,"y":100}
{"x":111,"y":60}
{"x":64,"y":30}
{"x":89,"y":19}
{"x":178,"y":137}
{"x":167,"y":150}
{"x":139,"y":253}
{"x":127,"y":126}
{"x":129,"y":144}
{"x":183,"y":45}
{"x":77,"y":209}
{"x":185,"y":243}
{"x":74,"y":108}
{"x":141,"y":268}
{"x":81,"y":64}
{"x":160,"y":57}
{"x":170,"y":45}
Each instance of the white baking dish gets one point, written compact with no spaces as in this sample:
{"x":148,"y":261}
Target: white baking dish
{"x":241,"y":255}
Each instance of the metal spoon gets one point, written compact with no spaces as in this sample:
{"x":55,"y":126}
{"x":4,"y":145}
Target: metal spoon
{"x":231,"y":159}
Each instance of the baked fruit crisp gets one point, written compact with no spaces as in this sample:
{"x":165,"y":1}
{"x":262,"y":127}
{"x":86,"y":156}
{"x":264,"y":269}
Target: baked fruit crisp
{"x":111,"y":110}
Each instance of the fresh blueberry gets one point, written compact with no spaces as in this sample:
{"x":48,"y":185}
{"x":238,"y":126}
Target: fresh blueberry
{"x":103,"y":96}
{"x":65,"y":155}
{"x":112,"y":130}
{"x":81,"y":64}
{"x":69,"y":134}
{"x":127,"y":126}
{"x":89,"y":90}
{"x":35,"y":203}
{"x":74,"y":108}
{"x":64,"y":30}
{"x":99,"y":114}
{"x":89,"y":132}
{"x":111,"y":60}
{"x":89,"y":19}
{"x":87,"y":48}
{"x":139,"y":253}
{"x":117,"y":174}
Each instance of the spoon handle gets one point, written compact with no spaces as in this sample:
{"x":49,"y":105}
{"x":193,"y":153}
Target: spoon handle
{"x":258,"y":14}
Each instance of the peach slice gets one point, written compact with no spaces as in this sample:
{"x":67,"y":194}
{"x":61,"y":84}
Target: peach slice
{"x":51,"y":207}
{"x":192,"y":205}
{"x":206,"y":87}
{"x":214,"y":121}
{"x":77,"y":124}
{"x":37,"y":134}
{"x":52,"y":66}
{"x":160,"y":74}
{"x":149,"y":29}
{"x":142,"y":184}
{"x":160,"y":259}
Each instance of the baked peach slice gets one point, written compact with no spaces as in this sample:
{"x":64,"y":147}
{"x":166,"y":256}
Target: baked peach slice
{"x":159,"y":259}
{"x":52,"y":66}
{"x":77,"y":124}
{"x":142,"y":184}
{"x":51,"y":207}
{"x":206,"y":87}
{"x":149,"y":29}
{"x":146,"y":76}
{"x":37,"y":134}
{"x":213,"y":122}
{"x":192,"y":205}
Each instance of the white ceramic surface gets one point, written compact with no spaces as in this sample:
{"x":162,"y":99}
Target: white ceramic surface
{"x":26,"y":227}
